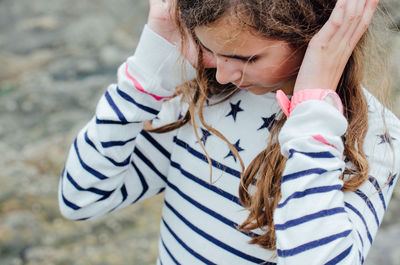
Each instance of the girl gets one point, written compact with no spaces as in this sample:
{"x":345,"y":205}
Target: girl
{"x":250,"y":177}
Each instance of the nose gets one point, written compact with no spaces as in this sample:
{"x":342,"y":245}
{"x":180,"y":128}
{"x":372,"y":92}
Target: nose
{"x":228,"y":70}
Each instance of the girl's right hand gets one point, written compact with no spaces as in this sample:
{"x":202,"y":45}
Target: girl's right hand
{"x":162,"y":21}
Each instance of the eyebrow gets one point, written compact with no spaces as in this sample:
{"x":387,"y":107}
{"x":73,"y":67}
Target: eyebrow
{"x":233,"y":56}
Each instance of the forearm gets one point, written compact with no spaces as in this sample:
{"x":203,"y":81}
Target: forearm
{"x":311,"y":221}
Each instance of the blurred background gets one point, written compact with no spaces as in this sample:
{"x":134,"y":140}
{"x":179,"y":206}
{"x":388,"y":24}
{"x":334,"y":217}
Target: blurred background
{"x":56,"y":59}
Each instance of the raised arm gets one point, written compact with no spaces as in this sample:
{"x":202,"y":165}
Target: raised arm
{"x":315,"y":221}
{"x":113,"y":162}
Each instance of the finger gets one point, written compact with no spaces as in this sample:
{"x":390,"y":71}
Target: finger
{"x":357,"y":15}
{"x":350,"y":18}
{"x":366,"y":19}
{"x":334,"y":22}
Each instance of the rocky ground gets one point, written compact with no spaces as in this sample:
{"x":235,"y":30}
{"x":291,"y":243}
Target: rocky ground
{"x":56,"y":58}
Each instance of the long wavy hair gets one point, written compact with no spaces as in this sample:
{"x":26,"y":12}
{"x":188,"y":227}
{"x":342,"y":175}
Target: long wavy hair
{"x":295,"y":22}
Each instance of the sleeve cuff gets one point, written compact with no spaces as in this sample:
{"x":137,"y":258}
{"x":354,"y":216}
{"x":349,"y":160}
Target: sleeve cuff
{"x":158,"y":65}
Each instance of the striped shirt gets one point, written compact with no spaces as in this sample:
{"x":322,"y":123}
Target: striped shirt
{"x":113,"y":163}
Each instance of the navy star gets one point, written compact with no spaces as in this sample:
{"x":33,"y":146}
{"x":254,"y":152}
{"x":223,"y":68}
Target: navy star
{"x":206,"y":134}
{"x":386,"y":138}
{"x":238,"y":148}
{"x":268,"y":122}
{"x":392,"y":178}
{"x":234,"y":110}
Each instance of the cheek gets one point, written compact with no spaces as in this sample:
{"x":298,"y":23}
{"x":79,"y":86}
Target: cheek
{"x":284,"y":67}
{"x":209,"y":60}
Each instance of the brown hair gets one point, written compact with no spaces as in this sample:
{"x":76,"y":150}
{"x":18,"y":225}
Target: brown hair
{"x":296,"y":22}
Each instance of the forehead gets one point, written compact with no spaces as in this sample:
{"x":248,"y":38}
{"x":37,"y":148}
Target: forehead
{"x":228,"y":35}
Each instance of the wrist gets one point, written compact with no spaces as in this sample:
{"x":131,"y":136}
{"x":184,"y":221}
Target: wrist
{"x":168,"y":33}
{"x":300,"y":96}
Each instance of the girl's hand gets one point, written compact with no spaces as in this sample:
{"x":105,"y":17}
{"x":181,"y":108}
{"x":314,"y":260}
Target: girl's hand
{"x":330,"y":49}
{"x":162,"y":21}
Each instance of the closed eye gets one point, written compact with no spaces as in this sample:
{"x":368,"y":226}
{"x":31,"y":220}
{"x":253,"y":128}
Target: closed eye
{"x":251,"y":59}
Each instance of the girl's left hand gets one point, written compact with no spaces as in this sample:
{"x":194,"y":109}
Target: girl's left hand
{"x":330,"y":49}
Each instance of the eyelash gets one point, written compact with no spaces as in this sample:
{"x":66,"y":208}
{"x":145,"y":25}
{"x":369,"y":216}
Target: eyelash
{"x":250,"y":60}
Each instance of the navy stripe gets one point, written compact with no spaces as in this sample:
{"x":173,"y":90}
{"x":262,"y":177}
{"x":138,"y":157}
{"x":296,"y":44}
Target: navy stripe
{"x":202,"y":157}
{"x":369,"y":204}
{"x":158,"y":146}
{"x":301,"y":194}
{"x":70,"y":204}
{"x":124,"y":193}
{"x":358,"y":232}
{"x":149,"y":164}
{"x":67,"y":202}
{"x":212,"y":239}
{"x":302,"y":173}
{"x":339,"y":257}
{"x":208,"y":210}
{"x":191,"y":251}
{"x":169,"y":253}
{"x":378,"y":189}
{"x":116,"y":143}
{"x":145,"y":186}
{"x":92,"y":171}
{"x":309,"y":217}
{"x":206,"y":184}
{"x":104,"y":193}
{"x":131,"y":100}
{"x":161,"y":190}
{"x":114,"y":107}
{"x":312,"y":154}
{"x":115,"y":163}
{"x":312,"y":244}
{"x":359,"y":236}
{"x":99,"y":121}
{"x":351,"y":207}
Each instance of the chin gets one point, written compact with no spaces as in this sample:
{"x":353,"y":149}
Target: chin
{"x":261,"y":90}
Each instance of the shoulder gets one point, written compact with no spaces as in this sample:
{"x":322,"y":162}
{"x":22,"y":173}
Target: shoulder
{"x":171,"y":110}
{"x":382,"y":142}
{"x":381,"y":118}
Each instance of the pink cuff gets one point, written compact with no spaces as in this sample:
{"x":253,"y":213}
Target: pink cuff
{"x":327,"y":95}
{"x":139,"y":86}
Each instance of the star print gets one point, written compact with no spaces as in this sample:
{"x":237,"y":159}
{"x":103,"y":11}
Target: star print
{"x":234,"y":110}
{"x":268,"y":122}
{"x":386,"y":138}
{"x":392,"y":178}
{"x":238,"y":148}
{"x":206,"y":134}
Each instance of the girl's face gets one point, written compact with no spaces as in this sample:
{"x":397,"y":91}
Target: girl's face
{"x":256,"y":64}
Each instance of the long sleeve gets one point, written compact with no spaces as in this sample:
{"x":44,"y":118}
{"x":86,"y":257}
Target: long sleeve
{"x":315,"y":222}
{"x":113,"y":162}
